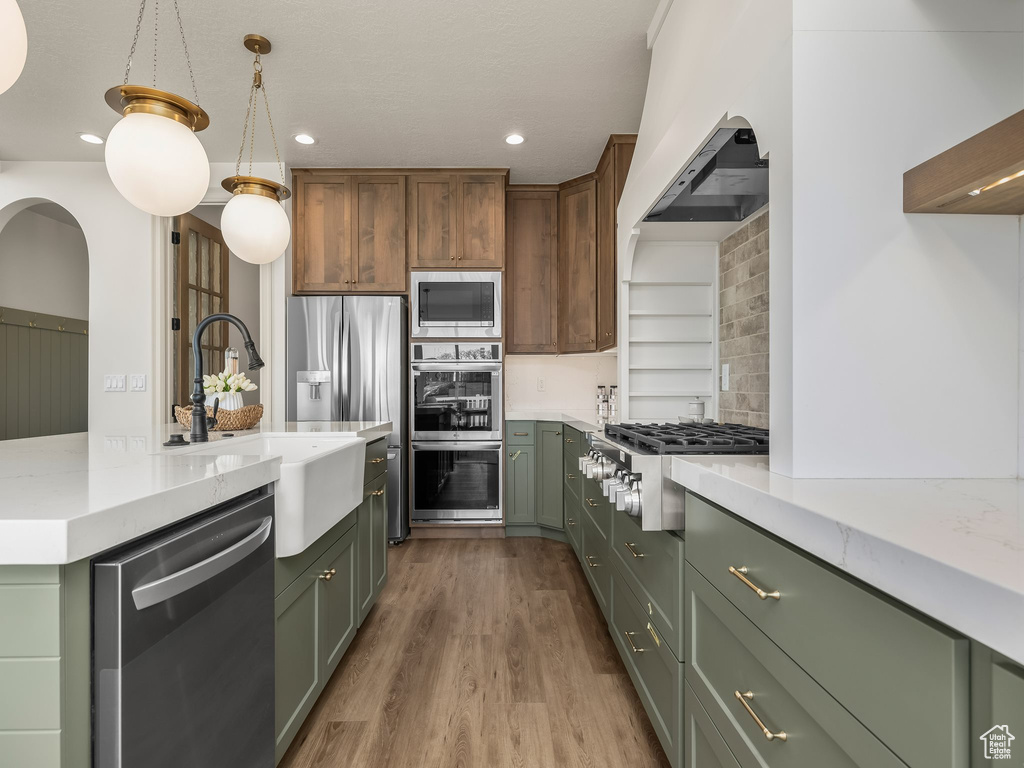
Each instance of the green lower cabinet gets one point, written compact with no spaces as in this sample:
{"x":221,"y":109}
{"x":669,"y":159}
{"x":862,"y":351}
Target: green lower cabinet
{"x":373,"y":543}
{"x":596,"y":564}
{"x":997,"y":708}
{"x":520,"y":486}
{"x":703,"y":744}
{"x":339,"y":618}
{"x":549,"y":474}
{"x":573,"y":522}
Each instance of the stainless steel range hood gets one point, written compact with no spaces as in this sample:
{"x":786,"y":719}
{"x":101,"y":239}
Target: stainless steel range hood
{"x":727,"y":181}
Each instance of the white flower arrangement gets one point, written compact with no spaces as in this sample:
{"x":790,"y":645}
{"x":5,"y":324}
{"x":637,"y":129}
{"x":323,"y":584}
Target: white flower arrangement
{"x":226,"y":382}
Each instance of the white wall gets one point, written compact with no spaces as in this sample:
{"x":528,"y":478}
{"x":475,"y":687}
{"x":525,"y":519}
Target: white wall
{"x":124,"y":291}
{"x":896,"y":318}
{"x":44,"y":266}
{"x":570,"y":381}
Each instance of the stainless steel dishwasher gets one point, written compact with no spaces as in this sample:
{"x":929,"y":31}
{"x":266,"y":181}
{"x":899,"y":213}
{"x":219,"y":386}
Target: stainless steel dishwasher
{"x":183,"y":644}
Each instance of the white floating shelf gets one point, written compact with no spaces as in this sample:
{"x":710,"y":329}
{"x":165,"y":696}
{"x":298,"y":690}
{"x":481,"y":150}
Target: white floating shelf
{"x":669,"y":284}
{"x":670,"y":394}
{"x":654,"y":313}
{"x":670,"y":368}
{"x":669,"y":341}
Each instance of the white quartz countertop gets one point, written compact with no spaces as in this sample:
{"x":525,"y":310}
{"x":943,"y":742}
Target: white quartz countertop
{"x":69,"y":497}
{"x":584,"y":420}
{"x":952,"y":549}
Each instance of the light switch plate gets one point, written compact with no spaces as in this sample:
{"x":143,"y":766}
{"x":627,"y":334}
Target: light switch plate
{"x":725,"y":377}
{"x":138,"y":382}
{"x":114,"y":382}
{"x":540,"y":384}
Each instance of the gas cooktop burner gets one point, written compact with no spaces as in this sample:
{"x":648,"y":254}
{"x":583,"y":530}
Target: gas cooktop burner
{"x":690,"y":439}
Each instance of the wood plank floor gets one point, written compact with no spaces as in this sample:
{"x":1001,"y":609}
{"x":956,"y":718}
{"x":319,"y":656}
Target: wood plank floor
{"x":480,"y":652}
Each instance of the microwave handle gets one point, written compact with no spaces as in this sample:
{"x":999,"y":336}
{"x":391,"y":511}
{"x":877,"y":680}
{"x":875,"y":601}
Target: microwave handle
{"x":462,"y":446}
{"x":458,"y":367}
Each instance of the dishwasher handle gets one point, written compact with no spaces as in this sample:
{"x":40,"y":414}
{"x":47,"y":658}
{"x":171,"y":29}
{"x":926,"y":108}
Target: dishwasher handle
{"x":174,"y":584}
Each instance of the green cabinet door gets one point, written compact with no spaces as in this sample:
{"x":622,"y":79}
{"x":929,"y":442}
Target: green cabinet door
{"x":379,"y":537}
{"x":549,"y":474}
{"x":364,"y":554}
{"x":997,"y":708}
{"x":298,"y":676}
{"x":520,"y":487}
{"x":336,"y":572}
{"x":372,"y":527}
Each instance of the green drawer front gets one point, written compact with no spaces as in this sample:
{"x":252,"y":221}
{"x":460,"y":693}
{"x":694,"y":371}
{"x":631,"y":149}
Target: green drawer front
{"x":595,"y":563}
{"x":376,"y":459}
{"x":29,"y":620}
{"x":726,"y":654}
{"x":594,"y":502}
{"x":878,"y":659}
{"x":573,"y":523}
{"x":288,"y":569}
{"x":31,"y":699}
{"x":573,"y":442}
{"x":30,"y":749}
{"x":656,"y":674}
{"x":705,"y":747}
{"x":651,"y":563}
{"x":520,"y":432}
{"x":571,"y":474}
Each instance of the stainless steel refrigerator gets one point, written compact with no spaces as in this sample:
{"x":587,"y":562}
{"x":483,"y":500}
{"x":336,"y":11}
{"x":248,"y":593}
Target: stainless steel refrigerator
{"x":348,"y":361}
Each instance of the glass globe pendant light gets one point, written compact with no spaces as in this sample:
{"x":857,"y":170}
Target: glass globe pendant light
{"x":254,"y":224}
{"x":13,"y":43}
{"x":152,"y":154}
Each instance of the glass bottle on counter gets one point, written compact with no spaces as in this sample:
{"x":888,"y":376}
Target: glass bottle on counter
{"x":231,"y":360}
{"x":613,"y":404}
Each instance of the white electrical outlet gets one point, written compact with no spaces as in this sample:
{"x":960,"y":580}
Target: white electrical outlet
{"x":115,"y":443}
{"x":114,"y":382}
{"x":540,"y":384}
{"x":725,"y":377}
{"x":138,"y":382}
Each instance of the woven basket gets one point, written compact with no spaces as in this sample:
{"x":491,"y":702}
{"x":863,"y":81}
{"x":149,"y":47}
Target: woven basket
{"x":227,"y":421}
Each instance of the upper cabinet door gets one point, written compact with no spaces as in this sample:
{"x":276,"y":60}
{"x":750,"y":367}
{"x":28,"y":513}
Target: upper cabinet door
{"x":531,"y":273}
{"x":322,"y":242}
{"x":480,"y":200}
{"x":379,"y":233}
{"x":577,"y":268}
{"x":432,"y":221}
{"x":606,"y":266}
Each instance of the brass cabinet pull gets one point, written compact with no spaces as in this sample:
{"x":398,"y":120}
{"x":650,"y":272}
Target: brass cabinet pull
{"x":328,"y":575}
{"x":558,"y":433}
{"x":633,"y":552}
{"x":591,"y":502}
{"x":591,"y":563}
{"x":742,"y":699}
{"x":515,"y":455}
{"x":571,"y":521}
{"x":741,"y":574}
{"x":520,"y":434}
{"x":632,"y":645}
{"x":377,"y":493}
{"x":570,"y":476}
{"x":569,"y":440}
{"x":377,"y":460}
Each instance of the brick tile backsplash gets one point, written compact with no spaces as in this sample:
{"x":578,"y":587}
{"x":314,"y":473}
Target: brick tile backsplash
{"x":743,"y":323}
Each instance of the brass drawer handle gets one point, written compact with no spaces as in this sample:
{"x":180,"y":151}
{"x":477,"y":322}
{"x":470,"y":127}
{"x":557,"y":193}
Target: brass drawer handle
{"x":328,"y":575}
{"x":633,"y":552}
{"x":520,"y":434}
{"x":632,"y":645}
{"x":515,"y":455}
{"x":741,"y":574}
{"x":571,"y":521}
{"x":591,"y":502}
{"x":377,"y":460}
{"x":591,"y":563}
{"x":742,"y":699}
{"x":569,"y":440}
{"x":570,"y":476}
{"x":377,"y":493}
{"x":558,"y":433}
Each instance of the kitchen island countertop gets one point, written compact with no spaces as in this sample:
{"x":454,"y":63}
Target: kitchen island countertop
{"x":952,"y":549}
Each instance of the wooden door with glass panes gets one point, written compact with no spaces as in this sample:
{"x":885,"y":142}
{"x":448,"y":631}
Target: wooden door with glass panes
{"x":201,"y":280}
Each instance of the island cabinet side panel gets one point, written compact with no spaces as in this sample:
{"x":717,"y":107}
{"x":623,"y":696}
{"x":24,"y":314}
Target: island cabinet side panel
{"x":31,"y":647}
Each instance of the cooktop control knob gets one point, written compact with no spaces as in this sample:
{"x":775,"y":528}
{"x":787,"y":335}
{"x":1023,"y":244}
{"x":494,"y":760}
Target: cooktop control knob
{"x":628,"y":499}
{"x":611,"y":485}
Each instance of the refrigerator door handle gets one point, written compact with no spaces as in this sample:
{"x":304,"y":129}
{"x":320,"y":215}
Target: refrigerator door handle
{"x":343,"y":356}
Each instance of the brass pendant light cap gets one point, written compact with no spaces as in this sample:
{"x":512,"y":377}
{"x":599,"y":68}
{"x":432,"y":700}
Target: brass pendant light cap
{"x":251,"y":42}
{"x":254,"y":185}
{"x":129,"y":99}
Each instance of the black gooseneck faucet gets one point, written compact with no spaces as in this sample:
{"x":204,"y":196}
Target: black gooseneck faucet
{"x":200,"y":432}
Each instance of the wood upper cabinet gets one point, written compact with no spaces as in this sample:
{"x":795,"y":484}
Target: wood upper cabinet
{"x":349,"y":233}
{"x":577,"y":266}
{"x":432,"y":221}
{"x":531,"y":274}
{"x":379,"y":262}
{"x":480,"y":211}
{"x":322,"y":233}
{"x":611,"y":178}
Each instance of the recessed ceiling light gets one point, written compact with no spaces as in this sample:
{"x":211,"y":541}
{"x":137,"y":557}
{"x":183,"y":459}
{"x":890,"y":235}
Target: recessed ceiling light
{"x":305,"y":138}
{"x":514,"y":138}
{"x":90,"y":138}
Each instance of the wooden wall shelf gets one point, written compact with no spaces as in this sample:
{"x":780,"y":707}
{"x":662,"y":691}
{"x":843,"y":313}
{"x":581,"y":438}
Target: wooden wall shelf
{"x":944,"y":183}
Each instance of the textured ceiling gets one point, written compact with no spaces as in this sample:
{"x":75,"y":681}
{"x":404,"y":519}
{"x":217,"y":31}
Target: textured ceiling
{"x":377,"y":82}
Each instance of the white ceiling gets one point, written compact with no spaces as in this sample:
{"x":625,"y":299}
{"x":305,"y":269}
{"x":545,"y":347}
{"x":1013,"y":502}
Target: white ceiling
{"x":414,"y":83}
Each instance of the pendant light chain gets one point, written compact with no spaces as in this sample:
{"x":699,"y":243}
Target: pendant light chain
{"x":273,"y":135}
{"x":250,"y":112}
{"x":156,"y":29}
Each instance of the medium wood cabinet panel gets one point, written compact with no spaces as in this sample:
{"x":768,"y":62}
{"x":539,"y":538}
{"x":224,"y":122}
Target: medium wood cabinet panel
{"x":480,"y":200}
{"x":379,"y":228}
{"x":577,"y":267}
{"x":611,"y":178}
{"x":432,"y":220}
{"x":531,"y":282}
{"x":322,"y":240}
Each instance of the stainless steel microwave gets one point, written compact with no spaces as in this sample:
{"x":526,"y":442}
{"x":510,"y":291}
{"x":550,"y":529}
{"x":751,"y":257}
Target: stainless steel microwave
{"x":456,"y":305}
